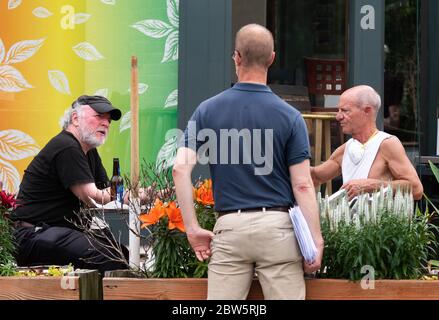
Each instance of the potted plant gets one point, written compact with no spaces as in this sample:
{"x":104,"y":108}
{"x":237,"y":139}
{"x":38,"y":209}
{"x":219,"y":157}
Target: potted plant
{"x":379,"y":246}
{"x":7,"y":203}
{"x":375,"y":249}
{"x":44,"y":282}
{"x":172,"y":263}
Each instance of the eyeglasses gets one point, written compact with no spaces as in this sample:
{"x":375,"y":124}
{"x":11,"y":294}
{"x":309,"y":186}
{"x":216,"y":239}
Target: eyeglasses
{"x":236,"y":53}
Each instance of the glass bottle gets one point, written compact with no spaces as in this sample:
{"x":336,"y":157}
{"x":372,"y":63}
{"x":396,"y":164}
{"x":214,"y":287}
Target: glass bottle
{"x":116,"y":182}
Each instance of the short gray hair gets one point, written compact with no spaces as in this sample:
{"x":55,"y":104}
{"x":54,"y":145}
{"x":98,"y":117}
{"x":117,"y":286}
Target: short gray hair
{"x":66,"y":119}
{"x":368,"y":96}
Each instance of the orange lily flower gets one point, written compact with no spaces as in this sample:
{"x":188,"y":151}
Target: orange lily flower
{"x":204,"y":193}
{"x":175,"y":219}
{"x":154,"y":215}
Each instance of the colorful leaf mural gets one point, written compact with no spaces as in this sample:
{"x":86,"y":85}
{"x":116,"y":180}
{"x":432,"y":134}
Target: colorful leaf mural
{"x":41,"y":12}
{"x":14,"y":145}
{"x":87,"y":51}
{"x":22,"y":50}
{"x":158,"y":29}
{"x":111,"y":2}
{"x":172,"y":99}
{"x":81,"y":17}
{"x":168,"y":152}
{"x":125,"y":122}
{"x":101,"y":92}
{"x":11,"y":80}
{"x":61,"y":50}
{"x":59,"y":81}
{"x":12,"y":4}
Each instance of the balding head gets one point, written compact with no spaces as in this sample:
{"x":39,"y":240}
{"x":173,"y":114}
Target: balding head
{"x":364,"y":96}
{"x":255,"y":45}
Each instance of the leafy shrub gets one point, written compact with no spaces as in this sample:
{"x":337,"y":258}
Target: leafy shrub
{"x":173,"y":256}
{"x":7,"y":203}
{"x":381,"y":231}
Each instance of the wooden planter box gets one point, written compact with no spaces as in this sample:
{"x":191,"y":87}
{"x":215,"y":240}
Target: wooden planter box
{"x":316,"y":289}
{"x":84,"y":285}
{"x":332,"y":289}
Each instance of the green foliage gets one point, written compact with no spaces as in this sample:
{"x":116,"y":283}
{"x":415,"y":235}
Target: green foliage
{"x":174,"y":257}
{"x":7,"y":269}
{"x":396,"y":244}
{"x":172,"y":252}
{"x":395,"y":247}
{"x":6,"y":246}
{"x":206,"y":219}
{"x":435,"y":170}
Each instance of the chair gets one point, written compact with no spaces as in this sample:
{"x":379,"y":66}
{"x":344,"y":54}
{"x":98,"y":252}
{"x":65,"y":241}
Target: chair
{"x":319,"y":125}
{"x":325,"y":77}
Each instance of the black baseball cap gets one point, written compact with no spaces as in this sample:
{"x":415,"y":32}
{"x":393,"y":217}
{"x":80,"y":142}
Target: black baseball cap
{"x":100,"y":105}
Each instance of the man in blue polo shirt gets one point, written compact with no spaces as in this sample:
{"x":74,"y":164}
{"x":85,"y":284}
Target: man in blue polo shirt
{"x":258,"y":153}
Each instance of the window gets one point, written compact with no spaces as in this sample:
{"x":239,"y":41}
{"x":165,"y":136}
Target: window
{"x":307,"y":28}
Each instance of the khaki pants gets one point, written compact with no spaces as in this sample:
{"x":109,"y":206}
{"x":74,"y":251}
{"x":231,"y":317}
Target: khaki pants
{"x":261,"y":242}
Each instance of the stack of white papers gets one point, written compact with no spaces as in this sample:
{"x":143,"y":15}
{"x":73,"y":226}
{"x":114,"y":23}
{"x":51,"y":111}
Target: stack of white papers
{"x":303,"y":235}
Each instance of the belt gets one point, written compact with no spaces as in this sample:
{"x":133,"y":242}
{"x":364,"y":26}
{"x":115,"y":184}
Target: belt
{"x":283,"y":209}
{"x":22,"y":224}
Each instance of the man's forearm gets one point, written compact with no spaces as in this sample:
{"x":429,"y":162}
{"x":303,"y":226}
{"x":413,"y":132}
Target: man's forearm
{"x":87,"y":191}
{"x":183,"y":186}
{"x":306,"y":199}
{"x":102,"y":196}
{"x":416,"y":189}
{"x":374,"y":185}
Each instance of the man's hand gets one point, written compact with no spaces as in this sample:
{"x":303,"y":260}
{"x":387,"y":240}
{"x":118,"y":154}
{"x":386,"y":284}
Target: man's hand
{"x":150,"y":194}
{"x":355,"y":187}
{"x":316,"y":264}
{"x":200,"y":240}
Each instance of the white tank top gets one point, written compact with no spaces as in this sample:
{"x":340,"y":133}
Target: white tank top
{"x":358,"y":158}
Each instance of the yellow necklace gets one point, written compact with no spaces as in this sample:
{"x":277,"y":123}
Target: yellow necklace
{"x":370,"y":138}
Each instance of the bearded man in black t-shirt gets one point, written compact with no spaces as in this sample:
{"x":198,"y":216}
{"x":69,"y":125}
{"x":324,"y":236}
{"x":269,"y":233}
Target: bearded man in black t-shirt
{"x":65,"y":174}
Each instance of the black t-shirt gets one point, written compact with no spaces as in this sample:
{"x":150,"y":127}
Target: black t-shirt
{"x":45,"y":194}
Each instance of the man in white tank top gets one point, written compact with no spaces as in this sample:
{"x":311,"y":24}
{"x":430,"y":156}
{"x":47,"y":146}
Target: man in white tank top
{"x":371,"y":158}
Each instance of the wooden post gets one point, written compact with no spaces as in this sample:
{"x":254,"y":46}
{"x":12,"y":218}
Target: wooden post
{"x":134,"y":222}
{"x":134,"y":128}
{"x":90,"y":285}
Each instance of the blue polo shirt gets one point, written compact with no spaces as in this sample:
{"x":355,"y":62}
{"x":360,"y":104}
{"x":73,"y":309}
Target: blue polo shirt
{"x":249,"y":137}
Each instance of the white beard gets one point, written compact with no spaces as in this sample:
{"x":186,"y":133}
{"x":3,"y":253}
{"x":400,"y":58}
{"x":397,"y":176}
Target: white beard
{"x":88,"y":137}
